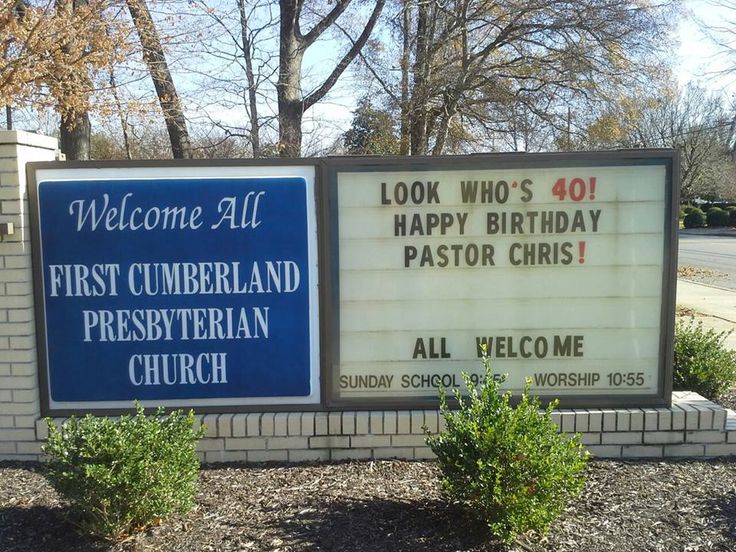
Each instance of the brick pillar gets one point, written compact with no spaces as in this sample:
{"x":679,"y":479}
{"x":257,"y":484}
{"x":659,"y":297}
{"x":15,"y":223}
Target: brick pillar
{"x":19,"y":397}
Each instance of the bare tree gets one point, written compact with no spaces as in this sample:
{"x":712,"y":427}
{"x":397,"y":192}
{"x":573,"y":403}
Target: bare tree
{"x":691,"y":120}
{"x":238,"y":45}
{"x":293,"y":43}
{"x":721,"y":31}
{"x":147,"y":137}
{"x":153,"y":55}
{"x":122,"y":114}
{"x":473,"y":63}
{"x":248,"y":58}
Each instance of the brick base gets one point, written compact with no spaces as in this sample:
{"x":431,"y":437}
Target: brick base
{"x":693,"y":427}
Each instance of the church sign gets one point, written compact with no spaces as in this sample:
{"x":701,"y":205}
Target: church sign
{"x":354,"y":283}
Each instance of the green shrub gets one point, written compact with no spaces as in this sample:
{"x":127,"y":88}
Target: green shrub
{"x":689,"y":209}
{"x":702,"y":363}
{"x":508,"y":463}
{"x":124,"y":475}
{"x":731,"y":215}
{"x":694,"y":219}
{"x":717,"y":218}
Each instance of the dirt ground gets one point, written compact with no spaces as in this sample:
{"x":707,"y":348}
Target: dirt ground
{"x":386,"y":506}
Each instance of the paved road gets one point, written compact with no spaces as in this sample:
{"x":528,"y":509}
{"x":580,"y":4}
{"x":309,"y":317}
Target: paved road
{"x":714,"y":253}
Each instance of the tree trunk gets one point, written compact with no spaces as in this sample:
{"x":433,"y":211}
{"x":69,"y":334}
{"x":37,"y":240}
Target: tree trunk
{"x":442,"y":132}
{"x":292,"y":45}
{"x":288,"y":88}
{"x":121,"y":115}
{"x":75,"y":130}
{"x":404,"y":140}
{"x":418,"y":112}
{"x":249,"y":75}
{"x":290,"y":128}
{"x":153,"y":55}
{"x":75,"y":133}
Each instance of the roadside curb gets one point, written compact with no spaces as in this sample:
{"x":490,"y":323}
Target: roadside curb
{"x":719,"y":232}
{"x":707,"y":285}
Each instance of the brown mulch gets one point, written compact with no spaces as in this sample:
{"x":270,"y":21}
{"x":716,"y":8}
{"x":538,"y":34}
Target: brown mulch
{"x":701,"y":275}
{"x":684,"y":311}
{"x":695,"y":272}
{"x":387,"y":506}
{"x":728,"y":399}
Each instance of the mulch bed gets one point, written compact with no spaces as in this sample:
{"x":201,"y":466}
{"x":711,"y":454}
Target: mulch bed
{"x":728,"y":399}
{"x":701,"y":275}
{"x":386,"y":506}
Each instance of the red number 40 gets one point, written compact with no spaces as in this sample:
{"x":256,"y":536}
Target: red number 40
{"x":576,"y":189}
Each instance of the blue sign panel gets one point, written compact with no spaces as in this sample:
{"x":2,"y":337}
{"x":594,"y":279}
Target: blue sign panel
{"x":196,"y":290}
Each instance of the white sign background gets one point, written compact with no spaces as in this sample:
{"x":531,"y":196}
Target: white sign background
{"x":613,"y":298}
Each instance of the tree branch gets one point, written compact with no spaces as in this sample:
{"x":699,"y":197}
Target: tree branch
{"x":325,"y":22}
{"x":318,"y":94}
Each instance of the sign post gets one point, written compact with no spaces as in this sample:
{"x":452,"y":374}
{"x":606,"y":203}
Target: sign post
{"x":562,"y":266}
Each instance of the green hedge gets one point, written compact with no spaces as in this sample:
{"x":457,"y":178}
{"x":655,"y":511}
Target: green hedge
{"x":124,"y":475}
{"x":731,"y":215}
{"x":702,"y":361}
{"x":694,"y":219}
{"x":508,"y":463}
{"x":717,"y":218}
{"x":689,"y":208}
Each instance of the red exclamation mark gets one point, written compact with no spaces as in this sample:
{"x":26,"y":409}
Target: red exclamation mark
{"x":581,"y":248}
{"x":592,"y":187}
